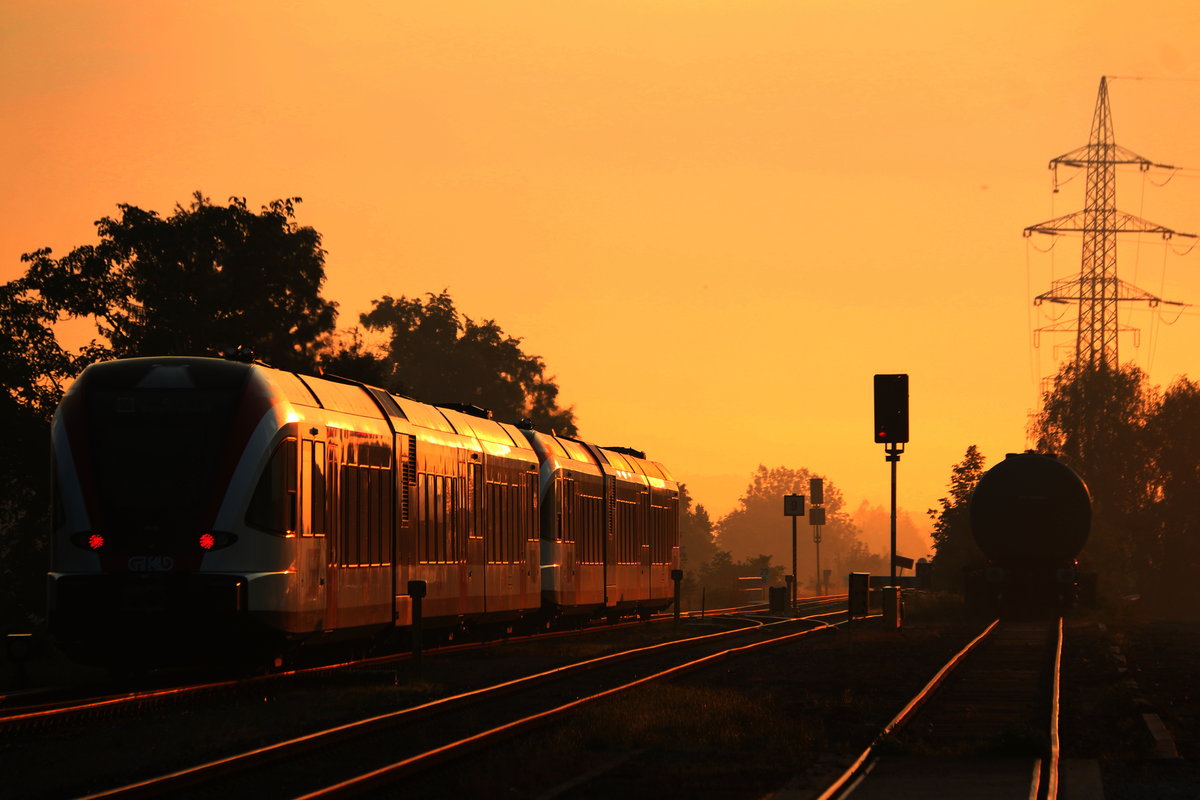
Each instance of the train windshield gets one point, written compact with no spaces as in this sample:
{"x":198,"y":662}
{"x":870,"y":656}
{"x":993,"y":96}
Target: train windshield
{"x":156,"y":455}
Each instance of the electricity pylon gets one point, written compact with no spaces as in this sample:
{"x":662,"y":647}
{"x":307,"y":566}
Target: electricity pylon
{"x":1096,"y":289}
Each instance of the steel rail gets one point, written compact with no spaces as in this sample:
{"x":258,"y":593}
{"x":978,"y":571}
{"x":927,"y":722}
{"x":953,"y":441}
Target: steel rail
{"x":849,"y":778}
{"x":290,"y":747}
{"x":387,"y":774}
{"x":1051,"y":763}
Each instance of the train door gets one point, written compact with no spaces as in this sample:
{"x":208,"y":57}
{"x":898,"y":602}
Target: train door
{"x":611,"y":592}
{"x":333,"y":525}
{"x":529,"y":571}
{"x":568,"y":531}
{"x":642,"y":517}
{"x":476,"y":566}
{"x":311,"y":557}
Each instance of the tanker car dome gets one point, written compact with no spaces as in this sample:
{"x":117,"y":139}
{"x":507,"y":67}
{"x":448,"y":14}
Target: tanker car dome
{"x":1030,"y":508}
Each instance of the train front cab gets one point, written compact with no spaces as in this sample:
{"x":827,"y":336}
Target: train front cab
{"x":156,"y":546}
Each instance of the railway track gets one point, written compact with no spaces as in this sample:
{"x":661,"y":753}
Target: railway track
{"x":986,"y":726}
{"x":352,"y":682}
{"x":62,"y":710}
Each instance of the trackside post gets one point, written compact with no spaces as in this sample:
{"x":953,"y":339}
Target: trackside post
{"x":677,"y":579}
{"x":416,"y":590}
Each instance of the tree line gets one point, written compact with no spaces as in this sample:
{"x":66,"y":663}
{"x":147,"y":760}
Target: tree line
{"x":724,"y":561}
{"x":209,"y":278}
{"x":1136,"y":446}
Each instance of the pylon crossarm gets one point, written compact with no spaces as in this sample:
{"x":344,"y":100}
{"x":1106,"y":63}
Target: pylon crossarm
{"x":1067,"y":290}
{"x":1078,"y":222}
{"x":1099,"y":153}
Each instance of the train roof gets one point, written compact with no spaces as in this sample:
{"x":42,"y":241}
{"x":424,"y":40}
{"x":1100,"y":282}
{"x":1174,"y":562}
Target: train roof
{"x":348,"y":396}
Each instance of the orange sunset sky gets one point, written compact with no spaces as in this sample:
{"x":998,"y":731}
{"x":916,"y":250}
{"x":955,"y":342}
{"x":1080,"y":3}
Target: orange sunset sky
{"x":713,"y":220}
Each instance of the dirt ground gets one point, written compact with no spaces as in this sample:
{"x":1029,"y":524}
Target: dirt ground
{"x":1117,"y":670}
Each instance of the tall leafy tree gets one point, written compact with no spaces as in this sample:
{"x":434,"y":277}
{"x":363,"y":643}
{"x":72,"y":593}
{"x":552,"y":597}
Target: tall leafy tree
{"x":1096,"y":420}
{"x":32,"y":366}
{"x":206,"y":278}
{"x":697,"y":544}
{"x":1174,"y":551}
{"x":434,"y":353}
{"x":952,"y":538}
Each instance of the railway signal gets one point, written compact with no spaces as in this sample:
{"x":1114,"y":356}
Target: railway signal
{"x":891,"y":430}
{"x":891,"y":409}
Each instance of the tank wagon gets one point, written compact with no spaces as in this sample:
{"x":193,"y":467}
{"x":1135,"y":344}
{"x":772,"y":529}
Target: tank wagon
{"x":204,"y":505}
{"x":1030,"y":515}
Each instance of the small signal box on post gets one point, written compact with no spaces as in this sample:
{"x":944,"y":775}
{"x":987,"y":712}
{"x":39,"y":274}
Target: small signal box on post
{"x":816,"y":491}
{"x":891,"y":409}
{"x":793,"y":505}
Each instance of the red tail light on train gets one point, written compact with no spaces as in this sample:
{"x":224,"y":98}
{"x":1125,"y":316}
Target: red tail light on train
{"x":88,"y":540}
{"x":215,"y":540}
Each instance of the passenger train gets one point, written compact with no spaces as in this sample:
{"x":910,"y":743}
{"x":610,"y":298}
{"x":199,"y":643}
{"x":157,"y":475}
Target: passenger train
{"x":210,"y":505}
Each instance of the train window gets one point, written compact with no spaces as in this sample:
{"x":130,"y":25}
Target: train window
{"x":440,"y":531}
{"x":530,"y":495}
{"x":566,"y":510}
{"x":317,"y":488}
{"x":371,"y":531}
{"x":305,"y":495}
{"x":349,"y":549}
{"x":452,"y":524}
{"x":475,"y":493}
{"x":591,"y":529}
{"x":273,"y":505}
{"x":515,"y":523}
{"x":495,"y":524}
{"x":422,"y":527}
{"x":387,"y":487}
{"x":627,"y":544}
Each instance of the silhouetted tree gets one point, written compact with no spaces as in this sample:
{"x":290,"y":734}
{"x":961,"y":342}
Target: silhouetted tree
{"x":757,"y":526}
{"x":31,"y":366}
{"x":1174,"y":433}
{"x":952,"y":538}
{"x":1095,"y":420}
{"x":696,"y":544}
{"x":206,"y":278}
{"x":437,"y":355}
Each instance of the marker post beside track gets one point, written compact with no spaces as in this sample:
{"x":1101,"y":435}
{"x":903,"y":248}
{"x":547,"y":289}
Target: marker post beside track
{"x":793,"y":506}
